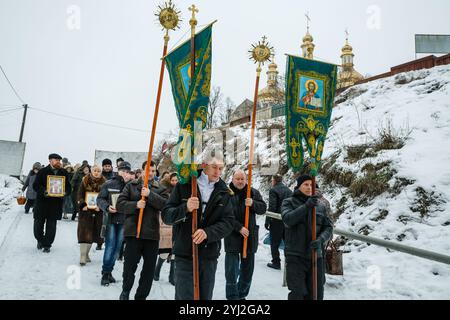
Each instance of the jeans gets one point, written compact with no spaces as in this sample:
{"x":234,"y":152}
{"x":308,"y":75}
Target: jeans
{"x":113,"y":242}
{"x":277,"y":234}
{"x":240,"y":269}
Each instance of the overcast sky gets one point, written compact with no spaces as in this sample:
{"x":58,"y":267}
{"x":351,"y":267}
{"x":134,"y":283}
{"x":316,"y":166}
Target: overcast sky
{"x":107,"y":67}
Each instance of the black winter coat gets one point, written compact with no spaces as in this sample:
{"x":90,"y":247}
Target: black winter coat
{"x":115,"y":185}
{"x":49,"y":207}
{"x":234,"y":241}
{"x":127,"y":202}
{"x":277,"y":194}
{"x":298,"y":228}
{"x":217,"y":220}
{"x":109,"y":175}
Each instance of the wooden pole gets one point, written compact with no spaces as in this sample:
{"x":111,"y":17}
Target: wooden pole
{"x":250,"y":163}
{"x":314,"y":252}
{"x":152,"y":137}
{"x":195,"y":268}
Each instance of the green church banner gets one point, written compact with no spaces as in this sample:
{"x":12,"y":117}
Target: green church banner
{"x":310,"y":91}
{"x":191,"y":102}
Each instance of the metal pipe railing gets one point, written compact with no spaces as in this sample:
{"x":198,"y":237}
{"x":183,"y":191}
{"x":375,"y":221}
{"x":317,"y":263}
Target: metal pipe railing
{"x":429,"y":255}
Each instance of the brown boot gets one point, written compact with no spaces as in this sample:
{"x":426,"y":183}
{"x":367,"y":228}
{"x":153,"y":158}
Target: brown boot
{"x":87,"y":252}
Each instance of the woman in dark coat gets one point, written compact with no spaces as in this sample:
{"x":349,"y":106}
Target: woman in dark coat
{"x":89,"y":220}
{"x":31,"y":193}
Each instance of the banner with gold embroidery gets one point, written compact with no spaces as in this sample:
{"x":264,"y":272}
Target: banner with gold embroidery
{"x":191,"y":102}
{"x":310,"y":91}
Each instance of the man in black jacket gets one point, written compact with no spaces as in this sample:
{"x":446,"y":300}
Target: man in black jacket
{"x":296,"y":213}
{"x":48,"y":208}
{"x":113,"y":220}
{"x":215,"y":222}
{"x":277,"y":194}
{"x":236,"y":267}
{"x":147,"y":244}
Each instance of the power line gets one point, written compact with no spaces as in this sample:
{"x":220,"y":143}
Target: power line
{"x":10,"y":110}
{"x":8,"y":105}
{"x":10,"y":84}
{"x":97,"y":122}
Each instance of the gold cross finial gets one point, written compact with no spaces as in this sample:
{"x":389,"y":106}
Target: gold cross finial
{"x":194,"y":10}
{"x":193,"y":21}
{"x":346,"y":34}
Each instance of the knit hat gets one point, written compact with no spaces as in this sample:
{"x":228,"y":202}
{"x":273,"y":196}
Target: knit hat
{"x":301,"y":179}
{"x":106,"y":162}
{"x":124,"y":166}
{"x":37,"y":166}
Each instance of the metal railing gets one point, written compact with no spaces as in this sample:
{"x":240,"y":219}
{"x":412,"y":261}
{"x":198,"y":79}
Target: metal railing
{"x":429,"y":255}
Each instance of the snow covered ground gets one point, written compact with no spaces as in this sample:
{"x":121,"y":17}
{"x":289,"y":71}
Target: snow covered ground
{"x":26,"y":273}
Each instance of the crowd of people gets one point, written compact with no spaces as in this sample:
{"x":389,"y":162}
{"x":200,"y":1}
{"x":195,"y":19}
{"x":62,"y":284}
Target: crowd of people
{"x":165,"y":231}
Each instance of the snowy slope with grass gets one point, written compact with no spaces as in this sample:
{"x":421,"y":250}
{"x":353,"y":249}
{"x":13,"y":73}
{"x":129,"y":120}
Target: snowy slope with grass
{"x":386,"y":171}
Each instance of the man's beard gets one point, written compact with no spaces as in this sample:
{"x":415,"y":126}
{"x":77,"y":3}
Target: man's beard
{"x":57,"y":165}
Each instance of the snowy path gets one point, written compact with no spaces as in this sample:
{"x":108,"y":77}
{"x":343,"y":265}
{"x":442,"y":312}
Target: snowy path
{"x":26,"y":273}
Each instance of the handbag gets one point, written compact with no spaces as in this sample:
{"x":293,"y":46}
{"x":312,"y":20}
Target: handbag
{"x":21,"y":199}
{"x":333,"y":257}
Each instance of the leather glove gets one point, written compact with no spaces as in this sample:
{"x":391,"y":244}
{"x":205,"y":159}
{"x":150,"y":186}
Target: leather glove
{"x":317,"y":245}
{"x":312,"y":201}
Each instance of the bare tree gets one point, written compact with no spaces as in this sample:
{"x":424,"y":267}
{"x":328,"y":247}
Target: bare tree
{"x":227,"y":110}
{"x":215,"y":104}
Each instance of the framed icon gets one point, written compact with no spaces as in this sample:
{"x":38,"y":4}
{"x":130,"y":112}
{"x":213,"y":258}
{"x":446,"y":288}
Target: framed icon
{"x":56,"y":186}
{"x":91,"y":200}
{"x":114,"y":197}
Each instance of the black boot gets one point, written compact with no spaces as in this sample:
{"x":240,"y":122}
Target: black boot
{"x":274,"y":265}
{"x":111,"y":278}
{"x":105,"y":279}
{"x":125,"y":295}
{"x":158,"y":269}
{"x":172,"y":273}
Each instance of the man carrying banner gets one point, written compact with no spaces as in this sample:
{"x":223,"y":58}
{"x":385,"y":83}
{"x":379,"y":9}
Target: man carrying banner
{"x":296,"y":213}
{"x":215,"y":222}
{"x":310,"y":91}
{"x":189,"y":68}
{"x":239,"y":271}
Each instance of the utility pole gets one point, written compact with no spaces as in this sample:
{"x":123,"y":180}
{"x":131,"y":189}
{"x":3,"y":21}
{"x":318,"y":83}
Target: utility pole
{"x":25,"y":106}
